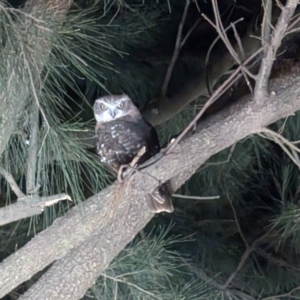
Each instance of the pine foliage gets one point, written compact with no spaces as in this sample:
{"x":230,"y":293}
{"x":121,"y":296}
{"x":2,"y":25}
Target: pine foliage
{"x":257,"y":213}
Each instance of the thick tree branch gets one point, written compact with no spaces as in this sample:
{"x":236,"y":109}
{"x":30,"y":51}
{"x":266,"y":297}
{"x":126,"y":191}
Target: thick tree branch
{"x":13,"y":96}
{"x":100,"y":239}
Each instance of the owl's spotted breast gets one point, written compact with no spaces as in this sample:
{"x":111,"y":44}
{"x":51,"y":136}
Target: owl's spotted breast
{"x":120,"y":140}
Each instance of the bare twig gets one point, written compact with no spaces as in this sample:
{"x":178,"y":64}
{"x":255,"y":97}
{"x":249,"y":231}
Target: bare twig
{"x":176,"y":50}
{"x":51,"y":200}
{"x":196,"y":197}
{"x":267,"y":22}
{"x":224,"y":87}
{"x":279,"y":4}
{"x":28,"y":206}
{"x":244,"y":70}
{"x":290,"y":144}
{"x":221,"y":31}
{"x":10,"y":179}
{"x":189,"y":33}
{"x":293,"y":24}
{"x":238,"y":39}
{"x":212,"y":45}
{"x":284,"y":144}
{"x":222,"y":34}
{"x":141,"y":152}
{"x":272,"y":47}
{"x":132,"y":164}
{"x":161,"y":111}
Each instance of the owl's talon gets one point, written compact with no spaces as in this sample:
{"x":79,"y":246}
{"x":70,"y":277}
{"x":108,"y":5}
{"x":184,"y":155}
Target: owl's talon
{"x":132,"y":165}
{"x":120,"y":173}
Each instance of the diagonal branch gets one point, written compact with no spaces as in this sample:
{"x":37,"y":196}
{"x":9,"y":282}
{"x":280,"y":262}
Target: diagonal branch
{"x":91,"y":244}
{"x":11,"y":181}
{"x":176,"y":50}
{"x":226,"y":85}
{"x":28,"y":206}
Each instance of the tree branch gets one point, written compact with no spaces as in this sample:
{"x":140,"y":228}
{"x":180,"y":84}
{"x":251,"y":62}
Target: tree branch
{"x":99,"y":242}
{"x":176,"y":50}
{"x":11,"y":181}
{"x":224,"y":87}
{"x":272,"y":47}
{"x":28,"y":206}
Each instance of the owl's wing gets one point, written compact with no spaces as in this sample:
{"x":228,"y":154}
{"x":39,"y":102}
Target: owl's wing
{"x":119,"y":142}
{"x":145,"y":132}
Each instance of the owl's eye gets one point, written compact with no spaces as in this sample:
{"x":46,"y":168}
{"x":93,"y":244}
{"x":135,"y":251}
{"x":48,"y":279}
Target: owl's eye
{"x":121,"y":105}
{"x":103,"y":107}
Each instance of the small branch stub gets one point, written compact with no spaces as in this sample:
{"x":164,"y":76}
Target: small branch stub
{"x":28,"y":206}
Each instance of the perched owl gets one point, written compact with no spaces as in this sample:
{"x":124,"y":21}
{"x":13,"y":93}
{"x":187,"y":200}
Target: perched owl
{"x":121,"y":132}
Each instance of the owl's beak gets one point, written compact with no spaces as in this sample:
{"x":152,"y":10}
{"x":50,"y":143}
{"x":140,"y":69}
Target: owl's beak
{"x":113,"y":113}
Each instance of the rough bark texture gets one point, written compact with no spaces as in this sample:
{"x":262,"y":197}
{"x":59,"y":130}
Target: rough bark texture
{"x":13,"y":96}
{"x":86,"y":240}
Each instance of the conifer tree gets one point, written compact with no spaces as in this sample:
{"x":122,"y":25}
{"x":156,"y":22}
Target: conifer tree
{"x":228,"y":101}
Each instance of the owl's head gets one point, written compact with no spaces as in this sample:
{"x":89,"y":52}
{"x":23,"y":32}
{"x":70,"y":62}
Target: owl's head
{"x":112,"y":107}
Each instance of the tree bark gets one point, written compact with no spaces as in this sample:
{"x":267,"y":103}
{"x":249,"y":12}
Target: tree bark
{"x":15,"y":93}
{"x":87,"y":238}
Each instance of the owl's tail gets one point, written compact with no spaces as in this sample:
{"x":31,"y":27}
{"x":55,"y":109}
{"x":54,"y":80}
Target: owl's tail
{"x":160,"y":199}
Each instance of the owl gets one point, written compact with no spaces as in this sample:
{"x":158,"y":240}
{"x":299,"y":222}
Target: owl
{"x":121,"y":132}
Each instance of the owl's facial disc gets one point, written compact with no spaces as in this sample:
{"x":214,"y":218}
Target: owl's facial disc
{"x":110,"y":108}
